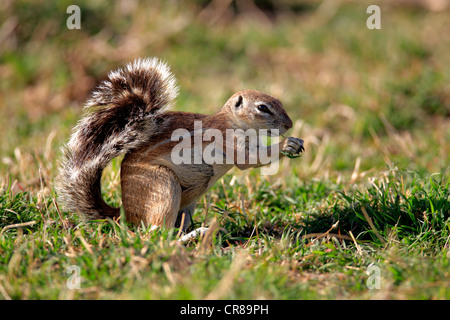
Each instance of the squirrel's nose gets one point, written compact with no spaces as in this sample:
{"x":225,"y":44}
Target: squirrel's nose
{"x":288,"y":123}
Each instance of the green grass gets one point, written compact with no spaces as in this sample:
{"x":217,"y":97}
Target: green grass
{"x":270,"y":250}
{"x":371,"y":192}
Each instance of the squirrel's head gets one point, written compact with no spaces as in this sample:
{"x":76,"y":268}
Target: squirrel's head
{"x":251,"y":109}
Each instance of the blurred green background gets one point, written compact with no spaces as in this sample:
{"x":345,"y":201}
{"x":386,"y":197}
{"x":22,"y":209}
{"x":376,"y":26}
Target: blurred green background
{"x":363,"y":100}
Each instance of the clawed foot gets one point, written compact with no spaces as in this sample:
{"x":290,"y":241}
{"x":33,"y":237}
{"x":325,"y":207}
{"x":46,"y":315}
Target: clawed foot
{"x":292,"y":147}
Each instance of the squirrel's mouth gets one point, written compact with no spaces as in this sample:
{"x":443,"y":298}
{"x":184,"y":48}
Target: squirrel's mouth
{"x":276,"y":132}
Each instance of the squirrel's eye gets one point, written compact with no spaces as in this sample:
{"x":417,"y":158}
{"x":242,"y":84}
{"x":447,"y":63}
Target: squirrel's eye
{"x":264,"y":108}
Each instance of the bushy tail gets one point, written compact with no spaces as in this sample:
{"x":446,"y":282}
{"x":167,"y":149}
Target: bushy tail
{"x":120,"y":117}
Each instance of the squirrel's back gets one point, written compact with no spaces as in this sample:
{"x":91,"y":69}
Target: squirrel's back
{"x":122,"y":115}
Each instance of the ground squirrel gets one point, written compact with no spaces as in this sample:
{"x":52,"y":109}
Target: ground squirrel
{"x":129,"y":114}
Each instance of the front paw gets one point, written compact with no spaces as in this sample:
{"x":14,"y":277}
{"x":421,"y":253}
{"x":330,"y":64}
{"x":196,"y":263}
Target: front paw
{"x":292,"y":147}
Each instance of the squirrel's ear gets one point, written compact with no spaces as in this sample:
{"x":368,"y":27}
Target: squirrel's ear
{"x":239,"y":102}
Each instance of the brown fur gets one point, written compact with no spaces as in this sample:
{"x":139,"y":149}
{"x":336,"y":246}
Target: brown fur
{"x":194,"y":179}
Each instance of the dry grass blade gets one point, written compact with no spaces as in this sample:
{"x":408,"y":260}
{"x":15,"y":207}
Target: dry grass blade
{"x":372,"y":226}
{"x":206,"y":238}
{"x":183,"y":217}
{"x":320,"y":235}
{"x":4,"y":293}
{"x":84,"y":242}
{"x":18,"y":225}
{"x":331,"y":235}
{"x":358,"y":248}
